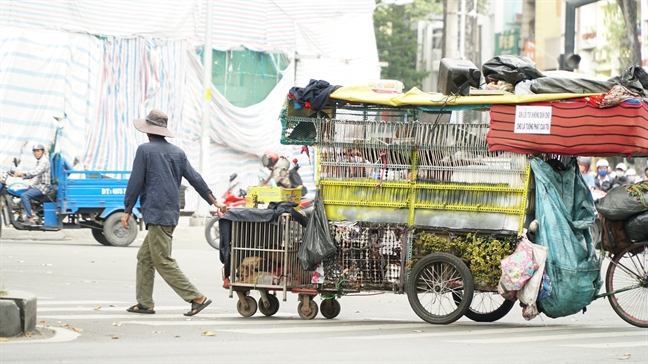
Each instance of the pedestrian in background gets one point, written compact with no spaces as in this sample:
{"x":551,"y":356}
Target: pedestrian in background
{"x":620,"y":178}
{"x":158,"y":169}
{"x":603,"y":181}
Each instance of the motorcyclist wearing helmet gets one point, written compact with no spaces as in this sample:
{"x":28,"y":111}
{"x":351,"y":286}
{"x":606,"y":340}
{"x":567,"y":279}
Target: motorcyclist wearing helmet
{"x":40,"y":185}
{"x":603,"y":181}
{"x":621,"y":178}
{"x":278,"y":167}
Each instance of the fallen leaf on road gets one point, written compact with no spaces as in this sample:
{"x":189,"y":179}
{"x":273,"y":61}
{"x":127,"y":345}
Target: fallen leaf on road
{"x":208,"y":333}
{"x":3,"y":340}
{"x":117,"y":323}
{"x":419,"y":330}
{"x":113,"y":306}
{"x":77,"y":329}
{"x":177,"y":336}
{"x":97,"y":308}
{"x":28,"y":334}
{"x":625,"y":357}
{"x":65,"y":325}
{"x":42,"y":321}
{"x":114,"y":337}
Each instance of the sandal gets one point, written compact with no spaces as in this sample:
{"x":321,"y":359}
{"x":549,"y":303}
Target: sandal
{"x":197,"y":307}
{"x":138,"y":308}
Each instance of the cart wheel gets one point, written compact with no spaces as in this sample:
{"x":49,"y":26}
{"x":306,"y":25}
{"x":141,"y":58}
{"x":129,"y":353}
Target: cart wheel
{"x":310,"y":315}
{"x":629,"y":270}
{"x":486,"y":306}
{"x":273,"y":305}
{"x":115,"y":233}
{"x":432,"y":283}
{"x":212,"y":234}
{"x":251,"y":309}
{"x":100,"y":237}
{"x":330,"y":308}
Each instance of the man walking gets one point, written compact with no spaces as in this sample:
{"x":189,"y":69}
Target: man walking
{"x":158,"y":169}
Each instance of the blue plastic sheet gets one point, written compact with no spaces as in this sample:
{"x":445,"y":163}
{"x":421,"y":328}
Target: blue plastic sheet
{"x":565,"y":211}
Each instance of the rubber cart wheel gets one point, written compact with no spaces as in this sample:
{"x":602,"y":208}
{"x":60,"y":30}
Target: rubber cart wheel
{"x":330,"y":308}
{"x":252,"y":307}
{"x":630,"y":269}
{"x":486,"y":306}
{"x":115,"y":233}
{"x":212,"y":234}
{"x":99,"y":236}
{"x":272,"y":308}
{"x":433,"y":282}
{"x":311,"y":314}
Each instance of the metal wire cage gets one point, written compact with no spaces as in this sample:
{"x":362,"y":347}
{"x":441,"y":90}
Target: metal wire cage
{"x":264,"y":255}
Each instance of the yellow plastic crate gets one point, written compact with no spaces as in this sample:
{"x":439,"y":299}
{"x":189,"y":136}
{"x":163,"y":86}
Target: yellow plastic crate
{"x":266,"y":194}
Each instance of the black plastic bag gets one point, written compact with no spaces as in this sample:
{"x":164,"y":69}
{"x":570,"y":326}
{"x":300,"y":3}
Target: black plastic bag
{"x":510,"y":68}
{"x":633,"y":78}
{"x":620,"y":204}
{"x":637,"y":227}
{"x":317,"y":243}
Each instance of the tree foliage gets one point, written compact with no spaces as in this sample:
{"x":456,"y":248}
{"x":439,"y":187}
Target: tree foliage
{"x":396,"y":40}
{"x":622,"y":40}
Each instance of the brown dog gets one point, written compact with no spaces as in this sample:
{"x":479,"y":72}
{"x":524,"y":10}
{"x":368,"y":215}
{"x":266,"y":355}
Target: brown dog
{"x":248,"y":268}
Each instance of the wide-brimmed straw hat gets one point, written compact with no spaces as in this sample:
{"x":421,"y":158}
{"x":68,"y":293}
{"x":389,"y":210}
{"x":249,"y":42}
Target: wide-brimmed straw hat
{"x":155,"y":123}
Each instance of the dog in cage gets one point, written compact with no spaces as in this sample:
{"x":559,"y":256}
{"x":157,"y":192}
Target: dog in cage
{"x":250,"y":270}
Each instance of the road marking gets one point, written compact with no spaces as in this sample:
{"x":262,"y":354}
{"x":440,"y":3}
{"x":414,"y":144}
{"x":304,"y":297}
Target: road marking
{"x":416,"y":335}
{"x":625,"y":344}
{"x":108,"y":308}
{"x":44,"y":302}
{"x":553,"y":337}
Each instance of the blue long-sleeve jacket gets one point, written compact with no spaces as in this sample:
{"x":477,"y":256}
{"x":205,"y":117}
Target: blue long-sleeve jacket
{"x":158,"y":169}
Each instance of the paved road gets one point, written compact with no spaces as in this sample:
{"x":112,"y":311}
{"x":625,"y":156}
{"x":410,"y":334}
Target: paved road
{"x":83,"y":289}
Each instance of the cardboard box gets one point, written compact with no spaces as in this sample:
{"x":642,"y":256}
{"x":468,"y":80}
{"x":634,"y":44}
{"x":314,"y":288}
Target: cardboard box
{"x":266,"y":194}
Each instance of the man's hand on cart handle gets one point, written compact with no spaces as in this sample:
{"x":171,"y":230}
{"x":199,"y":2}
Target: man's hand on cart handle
{"x":124,"y":220}
{"x":219,"y":205}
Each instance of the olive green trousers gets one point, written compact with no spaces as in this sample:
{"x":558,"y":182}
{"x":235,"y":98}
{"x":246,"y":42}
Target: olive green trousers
{"x":155,"y":255}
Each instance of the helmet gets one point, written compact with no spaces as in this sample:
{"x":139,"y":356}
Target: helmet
{"x":622,"y":166}
{"x":38,"y":146}
{"x":269,"y":159}
{"x":602,"y":163}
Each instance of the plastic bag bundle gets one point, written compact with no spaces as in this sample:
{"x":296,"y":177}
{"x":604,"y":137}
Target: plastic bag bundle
{"x":317,"y":243}
{"x":637,"y":227}
{"x":510,"y":68}
{"x":565,"y":211}
{"x":624,"y":201}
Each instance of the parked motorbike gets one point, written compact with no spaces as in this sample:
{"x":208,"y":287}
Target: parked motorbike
{"x":230,"y":200}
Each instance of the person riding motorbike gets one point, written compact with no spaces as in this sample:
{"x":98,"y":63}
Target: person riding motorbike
{"x":42,"y":179}
{"x":603,"y":181}
{"x":279,"y":168}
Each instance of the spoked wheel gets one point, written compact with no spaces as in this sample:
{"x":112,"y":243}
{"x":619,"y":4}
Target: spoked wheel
{"x":307,"y":313}
{"x":434,"y":283}
{"x":273,"y":305}
{"x":212,"y":234}
{"x":330,"y":308}
{"x":486,"y":306}
{"x":628,"y":274}
{"x":251,"y":307}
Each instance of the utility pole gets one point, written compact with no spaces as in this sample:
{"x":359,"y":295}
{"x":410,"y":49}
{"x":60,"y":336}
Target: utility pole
{"x":450,"y":29}
{"x":201,"y":212}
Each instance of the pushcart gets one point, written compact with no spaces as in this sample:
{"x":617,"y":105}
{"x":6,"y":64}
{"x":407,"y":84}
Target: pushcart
{"x":391,"y":168}
{"x":264,"y":258}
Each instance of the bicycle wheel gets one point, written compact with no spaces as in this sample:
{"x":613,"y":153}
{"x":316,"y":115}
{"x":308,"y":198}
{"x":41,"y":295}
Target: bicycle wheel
{"x":434,"y":283}
{"x":628,"y":274}
{"x":486,"y":306}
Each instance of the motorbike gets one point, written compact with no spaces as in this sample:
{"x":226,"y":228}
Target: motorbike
{"x":212,"y":233}
{"x":12,"y":210}
{"x":230,"y":200}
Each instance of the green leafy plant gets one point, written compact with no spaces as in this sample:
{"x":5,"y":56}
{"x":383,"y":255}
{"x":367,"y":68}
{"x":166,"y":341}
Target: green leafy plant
{"x":482,"y":254}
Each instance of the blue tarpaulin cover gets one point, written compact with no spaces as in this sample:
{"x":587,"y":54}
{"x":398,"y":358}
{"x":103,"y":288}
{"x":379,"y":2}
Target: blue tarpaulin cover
{"x":565,"y":211}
